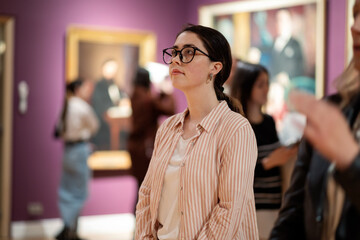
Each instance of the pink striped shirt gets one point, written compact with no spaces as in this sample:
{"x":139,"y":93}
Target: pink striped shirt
{"x":216,"y":178}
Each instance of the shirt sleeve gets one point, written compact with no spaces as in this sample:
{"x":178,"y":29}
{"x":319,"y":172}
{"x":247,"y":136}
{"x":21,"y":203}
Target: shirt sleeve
{"x":91,"y":120}
{"x":143,"y":225}
{"x":236,"y":207}
{"x":349,"y":179}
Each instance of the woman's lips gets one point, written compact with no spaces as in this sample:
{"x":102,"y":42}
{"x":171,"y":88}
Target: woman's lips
{"x":176,"y":71}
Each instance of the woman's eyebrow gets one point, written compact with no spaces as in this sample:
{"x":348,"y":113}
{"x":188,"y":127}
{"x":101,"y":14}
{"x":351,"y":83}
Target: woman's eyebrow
{"x":185,"y":45}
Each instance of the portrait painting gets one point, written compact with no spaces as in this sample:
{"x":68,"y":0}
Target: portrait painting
{"x":108,"y":59}
{"x":287,"y":37}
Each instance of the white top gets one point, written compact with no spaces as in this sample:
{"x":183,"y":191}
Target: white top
{"x":81,"y":121}
{"x":169,"y":214}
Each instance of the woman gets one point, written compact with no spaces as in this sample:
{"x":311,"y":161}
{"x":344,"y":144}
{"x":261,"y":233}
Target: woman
{"x":78,"y":123}
{"x":323,"y":201}
{"x":199,"y":182}
{"x":251,"y":86}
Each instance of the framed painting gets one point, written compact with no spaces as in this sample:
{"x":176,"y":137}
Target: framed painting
{"x":108,"y":59}
{"x":287,"y":37}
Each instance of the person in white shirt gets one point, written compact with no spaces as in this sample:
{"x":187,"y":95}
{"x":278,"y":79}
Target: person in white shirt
{"x":77,"y":124}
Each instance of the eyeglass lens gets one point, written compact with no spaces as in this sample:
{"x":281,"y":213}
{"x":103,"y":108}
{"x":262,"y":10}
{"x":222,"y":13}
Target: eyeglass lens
{"x":186,"y":54}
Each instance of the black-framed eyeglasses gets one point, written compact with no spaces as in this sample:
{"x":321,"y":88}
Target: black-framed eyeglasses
{"x":186,"y":54}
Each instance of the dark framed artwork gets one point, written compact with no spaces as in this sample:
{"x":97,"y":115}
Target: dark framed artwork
{"x":108,"y":58}
{"x":287,"y":37}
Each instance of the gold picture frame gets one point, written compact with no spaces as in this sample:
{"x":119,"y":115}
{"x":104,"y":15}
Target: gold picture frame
{"x":7,"y":42}
{"x":142,"y":44}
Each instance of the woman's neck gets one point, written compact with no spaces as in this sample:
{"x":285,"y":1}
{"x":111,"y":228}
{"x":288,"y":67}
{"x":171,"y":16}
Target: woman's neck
{"x":254,"y":114}
{"x":200,"y":104}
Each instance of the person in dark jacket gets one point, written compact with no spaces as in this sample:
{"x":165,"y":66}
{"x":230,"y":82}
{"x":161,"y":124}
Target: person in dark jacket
{"x":323,"y":201}
{"x":147,"y":109}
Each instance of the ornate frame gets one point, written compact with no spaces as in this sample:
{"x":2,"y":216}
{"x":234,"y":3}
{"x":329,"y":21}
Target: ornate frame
{"x":145,"y":41}
{"x":6,"y":128}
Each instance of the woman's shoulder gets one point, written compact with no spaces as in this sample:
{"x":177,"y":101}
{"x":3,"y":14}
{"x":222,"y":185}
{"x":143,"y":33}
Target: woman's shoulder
{"x":268,"y":118}
{"x":79,"y":103}
{"x":234,"y":120}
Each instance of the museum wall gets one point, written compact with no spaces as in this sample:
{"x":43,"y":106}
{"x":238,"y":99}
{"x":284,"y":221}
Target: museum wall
{"x":40,"y":31}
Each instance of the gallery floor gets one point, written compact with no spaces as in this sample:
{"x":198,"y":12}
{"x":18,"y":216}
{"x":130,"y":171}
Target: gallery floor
{"x":104,"y":227}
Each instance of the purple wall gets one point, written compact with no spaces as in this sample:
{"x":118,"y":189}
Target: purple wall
{"x":39,"y":60}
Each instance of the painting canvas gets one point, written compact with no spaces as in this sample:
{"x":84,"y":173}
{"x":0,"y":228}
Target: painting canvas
{"x":108,"y":58}
{"x":287,"y":37}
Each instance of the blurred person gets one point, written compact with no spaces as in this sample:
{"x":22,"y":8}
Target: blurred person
{"x":107,"y":94}
{"x":228,"y":82}
{"x":250,"y":86}
{"x":146,"y":110}
{"x":323,"y":201}
{"x":287,"y":54}
{"x":199,"y":182}
{"x":77,"y":124}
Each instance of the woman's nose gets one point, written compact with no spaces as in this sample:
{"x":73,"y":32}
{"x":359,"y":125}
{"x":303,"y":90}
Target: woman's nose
{"x":176,"y":59}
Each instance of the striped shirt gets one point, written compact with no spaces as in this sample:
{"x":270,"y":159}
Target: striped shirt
{"x":216,"y":198}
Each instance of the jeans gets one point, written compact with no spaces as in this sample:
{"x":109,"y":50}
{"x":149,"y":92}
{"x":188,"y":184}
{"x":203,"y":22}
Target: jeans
{"x":73,"y":190}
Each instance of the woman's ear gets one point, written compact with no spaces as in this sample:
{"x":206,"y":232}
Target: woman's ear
{"x":216,"y":67}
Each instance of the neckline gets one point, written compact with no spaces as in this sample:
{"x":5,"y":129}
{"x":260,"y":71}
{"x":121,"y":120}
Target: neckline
{"x":188,"y":139}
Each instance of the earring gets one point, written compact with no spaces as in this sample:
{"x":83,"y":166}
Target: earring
{"x":209,"y":79}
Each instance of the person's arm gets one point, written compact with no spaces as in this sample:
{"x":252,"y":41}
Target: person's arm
{"x":279,"y":157}
{"x":235,"y":189}
{"x":290,"y":222}
{"x":329,"y":132}
{"x":143,"y":228}
{"x":91,"y":120}
{"x":349,"y":179}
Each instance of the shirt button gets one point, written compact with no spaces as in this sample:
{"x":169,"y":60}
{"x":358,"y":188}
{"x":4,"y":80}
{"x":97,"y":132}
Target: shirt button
{"x":181,"y":188}
{"x":183,"y":164}
{"x":182,"y":213}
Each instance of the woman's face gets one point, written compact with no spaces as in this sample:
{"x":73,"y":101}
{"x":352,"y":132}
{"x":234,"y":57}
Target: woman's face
{"x":85,"y":90}
{"x":191,"y":75}
{"x":355,"y":31}
{"x":260,"y":89}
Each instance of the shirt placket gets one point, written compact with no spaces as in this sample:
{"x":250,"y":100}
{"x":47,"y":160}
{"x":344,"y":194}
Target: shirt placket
{"x":183,"y":182}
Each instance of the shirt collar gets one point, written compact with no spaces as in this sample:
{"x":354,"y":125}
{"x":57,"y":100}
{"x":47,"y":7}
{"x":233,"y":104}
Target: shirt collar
{"x":209,"y":121}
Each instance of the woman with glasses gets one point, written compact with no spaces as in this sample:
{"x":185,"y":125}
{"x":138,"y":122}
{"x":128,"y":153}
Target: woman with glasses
{"x":199,"y":184}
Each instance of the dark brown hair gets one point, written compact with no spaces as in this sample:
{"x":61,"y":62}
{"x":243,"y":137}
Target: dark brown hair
{"x":219,"y":50}
{"x":243,"y":82}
